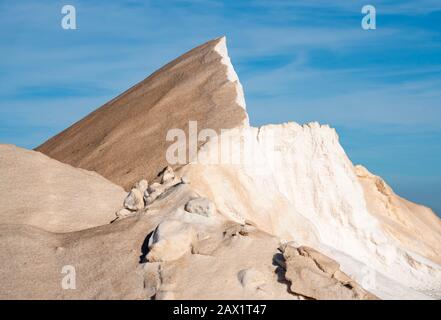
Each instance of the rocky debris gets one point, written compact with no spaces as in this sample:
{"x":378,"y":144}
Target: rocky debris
{"x":155,"y":187}
{"x":189,"y":238}
{"x":237,"y":267}
{"x":167,"y":175}
{"x":142,"y":185}
{"x":314,"y":275}
{"x":172,"y":182}
{"x":171,"y":240}
{"x":184,"y":232}
{"x":134,"y":200}
{"x":190,"y":229}
{"x":168,"y":180}
{"x":152,"y":192}
{"x":201,"y":206}
{"x":123,"y":213}
{"x":143,"y":194}
{"x":325,"y":264}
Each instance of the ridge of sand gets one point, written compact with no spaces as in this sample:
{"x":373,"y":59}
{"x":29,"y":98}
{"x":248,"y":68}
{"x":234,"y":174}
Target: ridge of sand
{"x":232,"y":76}
{"x":125,"y":139}
{"x":417,"y":227}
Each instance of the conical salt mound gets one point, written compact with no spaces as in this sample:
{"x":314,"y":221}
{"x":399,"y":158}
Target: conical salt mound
{"x":223,"y":219}
{"x":126,"y":138}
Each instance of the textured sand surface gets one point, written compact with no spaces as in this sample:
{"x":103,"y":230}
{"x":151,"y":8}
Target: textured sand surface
{"x":107,"y":259}
{"x":39,"y":191}
{"x":126,"y":138}
{"x":417,"y":227}
{"x":216,"y":229}
{"x":302,"y":187}
{"x":226,"y":261}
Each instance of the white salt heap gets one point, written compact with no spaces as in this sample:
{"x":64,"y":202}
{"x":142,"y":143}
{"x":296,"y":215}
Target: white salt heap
{"x":276,"y":212}
{"x":306,"y":190}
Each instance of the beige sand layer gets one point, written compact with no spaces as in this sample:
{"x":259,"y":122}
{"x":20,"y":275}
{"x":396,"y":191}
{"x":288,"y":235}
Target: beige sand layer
{"x":125,"y":139}
{"x":39,"y":191}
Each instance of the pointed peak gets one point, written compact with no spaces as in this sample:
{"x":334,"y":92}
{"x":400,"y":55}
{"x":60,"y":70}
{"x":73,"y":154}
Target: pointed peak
{"x":222,"y":50}
{"x":200,"y":85}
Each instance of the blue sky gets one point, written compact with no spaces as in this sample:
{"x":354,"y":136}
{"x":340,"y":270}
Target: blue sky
{"x":297,"y":60}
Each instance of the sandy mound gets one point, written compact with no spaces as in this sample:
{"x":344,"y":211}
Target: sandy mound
{"x":296,"y":183}
{"x":126,"y":138}
{"x":139,"y":257}
{"x":415,"y":226}
{"x":284,"y":216}
{"x":38,"y":191}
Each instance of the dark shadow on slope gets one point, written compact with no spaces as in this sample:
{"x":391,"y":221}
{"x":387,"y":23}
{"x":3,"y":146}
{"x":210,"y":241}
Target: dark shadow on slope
{"x":279,"y":263}
{"x":145,"y":248}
